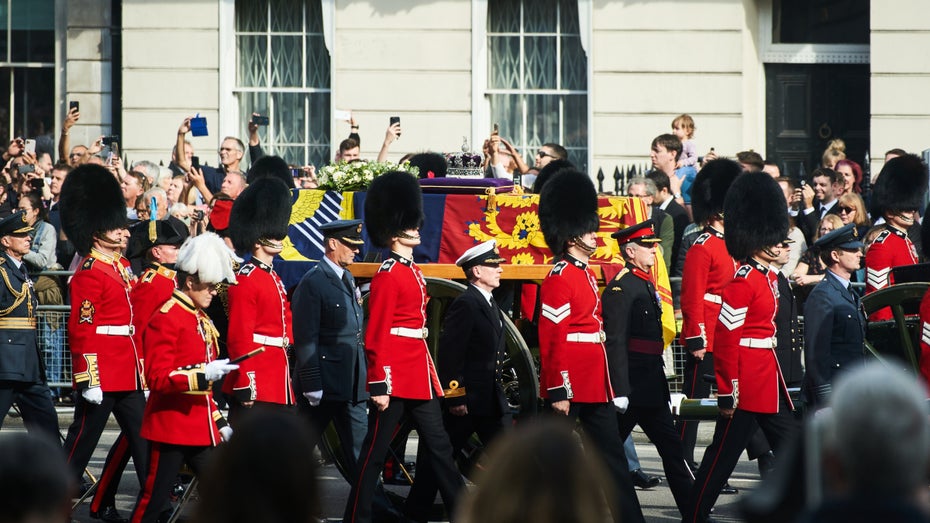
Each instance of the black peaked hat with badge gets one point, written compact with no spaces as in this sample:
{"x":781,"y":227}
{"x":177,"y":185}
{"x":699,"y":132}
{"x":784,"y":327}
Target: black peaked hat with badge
{"x":91,"y":203}
{"x":846,"y":237}
{"x":393,"y":204}
{"x":644,"y":232}
{"x":484,"y":253}
{"x":755,"y":213}
{"x":348,"y":232}
{"x":901,"y":186}
{"x":15,"y":224}
{"x":567,"y":208}
{"x":710,"y":187}
{"x":167,"y":232}
{"x":261,"y":212}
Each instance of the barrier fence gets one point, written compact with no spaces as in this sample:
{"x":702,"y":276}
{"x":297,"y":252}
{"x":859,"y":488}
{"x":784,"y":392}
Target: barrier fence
{"x":53,"y":342}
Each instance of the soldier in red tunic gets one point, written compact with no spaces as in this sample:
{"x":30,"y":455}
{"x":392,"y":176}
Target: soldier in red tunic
{"x":402,"y":377}
{"x":106,"y":362}
{"x":259,"y":310}
{"x":897,"y":195}
{"x":707,"y":269}
{"x":181,"y":419}
{"x":157,"y":243}
{"x":751,"y":387}
{"x":574,"y":374}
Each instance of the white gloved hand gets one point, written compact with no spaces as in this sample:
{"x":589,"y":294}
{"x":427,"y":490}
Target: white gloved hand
{"x":217,"y":369}
{"x":93,"y":395}
{"x":621,"y":404}
{"x":314,"y":397}
{"x":146,"y":392}
{"x":226,"y":433}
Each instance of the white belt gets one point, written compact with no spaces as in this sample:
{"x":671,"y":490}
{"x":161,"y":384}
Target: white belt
{"x":586,"y":337}
{"x":713,"y":298}
{"x":116,"y":330}
{"x":410,"y":333}
{"x":269,"y":341}
{"x":759,"y":343}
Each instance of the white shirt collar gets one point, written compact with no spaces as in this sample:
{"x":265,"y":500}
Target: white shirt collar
{"x":843,"y":281}
{"x":337,"y":269}
{"x":486,"y":294}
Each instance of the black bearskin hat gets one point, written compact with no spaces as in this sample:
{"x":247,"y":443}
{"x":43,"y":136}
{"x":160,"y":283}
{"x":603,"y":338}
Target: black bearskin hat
{"x":901,"y":186}
{"x":394,"y":203}
{"x":755,"y":214}
{"x":567,"y":208}
{"x":430,"y":163}
{"x":710,"y":189}
{"x":261,"y":211}
{"x":91,"y":203}
{"x":271,"y":167}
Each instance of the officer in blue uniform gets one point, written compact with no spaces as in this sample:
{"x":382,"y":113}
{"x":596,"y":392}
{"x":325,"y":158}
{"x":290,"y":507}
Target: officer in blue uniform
{"x":834,"y":322}
{"x":330,"y":370}
{"x":22,"y":374}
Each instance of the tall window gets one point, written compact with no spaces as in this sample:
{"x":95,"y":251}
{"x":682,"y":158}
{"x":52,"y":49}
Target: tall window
{"x":27,"y":70}
{"x":537,"y":75}
{"x":284,"y":73}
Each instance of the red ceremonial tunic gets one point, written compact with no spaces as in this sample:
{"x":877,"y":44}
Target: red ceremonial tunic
{"x":891,"y":248}
{"x":573,"y":360}
{"x":179,"y":341}
{"x":925,"y":340}
{"x":154,"y":288}
{"x":748,"y":375}
{"x":103,"y":351}
{"x":259,"y":316}
{"x":708,"y":268}
{"x":399,"y":362}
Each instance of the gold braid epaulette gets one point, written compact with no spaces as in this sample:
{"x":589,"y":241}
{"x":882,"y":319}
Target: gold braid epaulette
{"x":18,"y":297}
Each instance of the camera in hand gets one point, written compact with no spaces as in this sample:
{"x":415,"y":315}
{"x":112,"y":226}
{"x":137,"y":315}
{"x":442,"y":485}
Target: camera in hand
{"x":198,"y":215}
{"x":195,"y":162}
{"x":74,"y":105}
{"x":26,"y":168}
{"x":259,"y":120}
{"x":37,"y":183}
{"x":110,"y":140}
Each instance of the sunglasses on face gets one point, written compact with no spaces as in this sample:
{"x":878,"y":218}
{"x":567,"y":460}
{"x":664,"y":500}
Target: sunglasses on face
{"x":846,"y":210}
{"x":543,"y":154}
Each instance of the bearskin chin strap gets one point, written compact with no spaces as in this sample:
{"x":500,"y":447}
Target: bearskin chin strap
{"x":584,"y":246}
{"x":768,"y":252}
{"x":106,"y":240}
{"x":406,"y":236}
{"x":271,"y":243}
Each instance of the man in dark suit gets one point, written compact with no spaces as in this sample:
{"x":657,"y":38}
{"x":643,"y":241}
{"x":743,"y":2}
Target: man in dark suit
{"x":670,"y":202}
{"x":471,"y":350}
{"x":22,"y":374}
{"x":834,"y":322}
{"x":328,"y":345}
{"x":633,"y":325}
{"x":819,"y":204}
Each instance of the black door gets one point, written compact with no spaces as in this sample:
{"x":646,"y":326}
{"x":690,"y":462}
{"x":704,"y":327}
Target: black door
{"x":807,"y":105}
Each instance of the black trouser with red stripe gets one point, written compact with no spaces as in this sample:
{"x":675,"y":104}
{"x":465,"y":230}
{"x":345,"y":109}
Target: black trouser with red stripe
{"x":90,"y":420}
{"x":113,"y":468}
{"x":427,"y":418}
{"x":731,"y":435}
{"x":165,"y":461}
{"x":694,"y":387}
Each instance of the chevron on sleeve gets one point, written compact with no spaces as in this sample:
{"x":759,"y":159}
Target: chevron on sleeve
{"x":556,"y":314}
{"x":732,"y":318}
{"x":925,"y":336}
{"x":878,"y":278}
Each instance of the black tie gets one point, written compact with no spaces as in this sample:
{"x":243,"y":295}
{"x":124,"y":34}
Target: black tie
{"x":347,"y":283}
{"x":496,"y":311}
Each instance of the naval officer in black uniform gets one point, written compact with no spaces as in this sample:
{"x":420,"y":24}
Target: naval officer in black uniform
{"x":633,"y":324}
{"x":471,"y":351}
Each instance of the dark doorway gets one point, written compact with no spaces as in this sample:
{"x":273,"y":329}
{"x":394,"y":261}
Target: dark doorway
{"x":807,"y":105}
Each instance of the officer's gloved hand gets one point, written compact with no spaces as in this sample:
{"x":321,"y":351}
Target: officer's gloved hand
{"x":314,"y":397}
{"x":146,"y":392}
{"x":226,"y":433}
{"x":621,"y":404}
{"x":217,"y":369}
{"x":93,"y":395}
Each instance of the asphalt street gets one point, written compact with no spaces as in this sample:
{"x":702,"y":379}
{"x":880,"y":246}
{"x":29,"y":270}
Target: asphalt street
{"x":657,"y":503}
